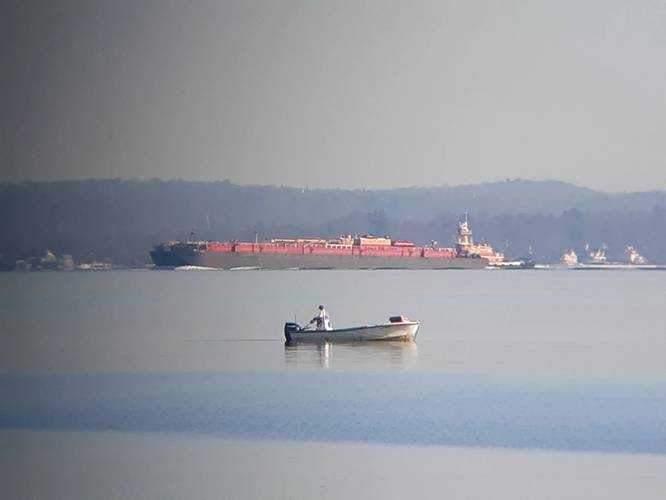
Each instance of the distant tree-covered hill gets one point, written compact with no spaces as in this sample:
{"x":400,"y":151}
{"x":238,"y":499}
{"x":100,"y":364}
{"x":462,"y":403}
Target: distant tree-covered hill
{"x":120,"y":220}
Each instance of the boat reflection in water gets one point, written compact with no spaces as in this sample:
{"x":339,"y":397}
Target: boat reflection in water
{"x":352,"y":355}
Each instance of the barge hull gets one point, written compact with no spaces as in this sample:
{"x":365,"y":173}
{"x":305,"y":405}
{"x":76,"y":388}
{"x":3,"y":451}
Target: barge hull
{"x":230,"y":260}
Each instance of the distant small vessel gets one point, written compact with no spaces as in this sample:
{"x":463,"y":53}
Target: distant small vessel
{"x":398,"y":328}
{"x":193,"y":268}
{"x":634,"y":257}
{"x":570,"y":259}
{"x":598,"y":260}
{"x":521,"y":263}
{"x":598,"y":257}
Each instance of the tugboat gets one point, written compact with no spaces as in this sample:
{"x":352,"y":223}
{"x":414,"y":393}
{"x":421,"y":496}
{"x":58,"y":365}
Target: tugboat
{"x":465,"y":246}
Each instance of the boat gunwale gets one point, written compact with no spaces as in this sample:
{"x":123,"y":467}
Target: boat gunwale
{"x":355,"y":328}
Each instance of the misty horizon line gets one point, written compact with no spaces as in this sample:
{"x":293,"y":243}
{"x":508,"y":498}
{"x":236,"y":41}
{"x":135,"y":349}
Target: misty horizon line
{"x":319,"y":188}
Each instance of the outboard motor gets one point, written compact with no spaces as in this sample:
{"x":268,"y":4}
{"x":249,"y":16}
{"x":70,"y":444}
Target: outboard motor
{"x":290,"y":328}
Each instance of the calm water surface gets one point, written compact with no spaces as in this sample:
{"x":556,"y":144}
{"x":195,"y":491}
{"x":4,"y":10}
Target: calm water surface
{"x":529,"y":323}
{"x":563,"y":361}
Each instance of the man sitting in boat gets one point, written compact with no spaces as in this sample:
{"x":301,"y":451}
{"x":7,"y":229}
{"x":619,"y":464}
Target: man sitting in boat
{"x":322,"y":319}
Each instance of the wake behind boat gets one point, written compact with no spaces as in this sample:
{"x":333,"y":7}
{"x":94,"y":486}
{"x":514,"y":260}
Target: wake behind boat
{"x":398,"y":328}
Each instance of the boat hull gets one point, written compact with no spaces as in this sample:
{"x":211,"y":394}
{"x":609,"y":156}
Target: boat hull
{"x":406,"y":331}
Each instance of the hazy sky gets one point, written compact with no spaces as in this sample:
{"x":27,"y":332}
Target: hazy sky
{"x":372,"y":94}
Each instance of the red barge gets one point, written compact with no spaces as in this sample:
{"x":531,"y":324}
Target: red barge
{"x":345,"y":252}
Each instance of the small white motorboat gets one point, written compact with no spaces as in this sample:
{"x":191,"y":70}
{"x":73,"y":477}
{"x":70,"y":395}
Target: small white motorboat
{"x":398,"y":328}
